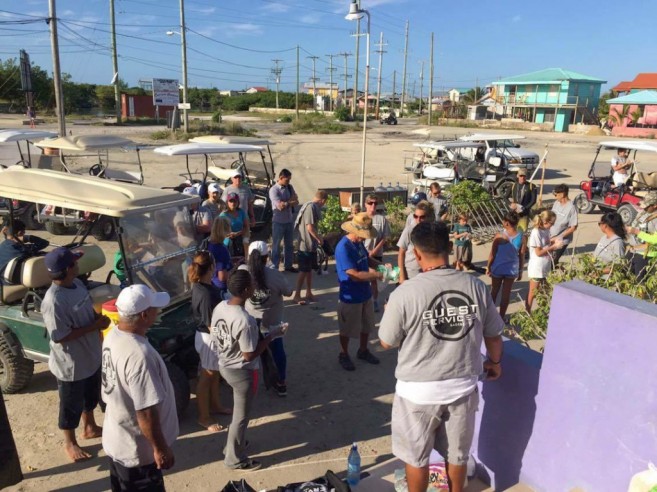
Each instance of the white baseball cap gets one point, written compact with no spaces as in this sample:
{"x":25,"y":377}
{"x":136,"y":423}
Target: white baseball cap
{"x":260,"y":246}
{"x":214,"y":188}
{"x":138,"y":298}
{"x":190,"y":190}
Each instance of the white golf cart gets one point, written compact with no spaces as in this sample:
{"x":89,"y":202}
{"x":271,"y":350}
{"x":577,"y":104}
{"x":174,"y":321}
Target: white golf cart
{"x":505,"y":147}
{"x":153,"y":229}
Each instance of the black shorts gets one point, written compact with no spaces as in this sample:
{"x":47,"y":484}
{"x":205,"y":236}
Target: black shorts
{"x":307,"y":261}
{"x":76,"y":397}
{"x":145,"y":478}
{"x":378,"y":258}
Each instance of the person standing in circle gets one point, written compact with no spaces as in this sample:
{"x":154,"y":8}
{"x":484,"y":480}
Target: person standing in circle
{"x":408,"y":267}
{"x":266,"y":305}
{"x":222,"y":261}
{"x":375,"y":247}
{"x":506,"y":259}
{"x":565,"y":222}
{"x":541,"y":247}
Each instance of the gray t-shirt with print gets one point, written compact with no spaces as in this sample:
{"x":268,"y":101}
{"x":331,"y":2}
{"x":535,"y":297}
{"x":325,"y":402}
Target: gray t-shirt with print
{"x":566,"y":217}
{"x":439,"y":319}
{"x":234,"y":331}
{"x":410,"y":262}
{"x":609,"y":249}
{"x":439,"y":205}
{"x":244,"y":192}
{"x":134,"y":378}
{"x":267,"y":304}
{"x":382,"y":227}
{"x":311,"y":214}
{"x":64,"y":310}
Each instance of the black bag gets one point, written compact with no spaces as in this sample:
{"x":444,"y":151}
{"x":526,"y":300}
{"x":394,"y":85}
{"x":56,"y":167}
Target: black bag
{"x":328,"y":483}
{"x":238,"y":486}
{"x":269,"y":370}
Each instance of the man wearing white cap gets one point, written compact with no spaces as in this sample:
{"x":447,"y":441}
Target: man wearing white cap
{"x":214,"y":204}
{"x":140,"y":420}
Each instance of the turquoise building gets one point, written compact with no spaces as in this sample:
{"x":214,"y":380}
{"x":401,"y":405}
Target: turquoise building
{"x":553,"y":95}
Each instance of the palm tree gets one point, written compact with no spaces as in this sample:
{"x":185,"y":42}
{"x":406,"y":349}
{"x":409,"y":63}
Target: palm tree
{"x":618,"y":117}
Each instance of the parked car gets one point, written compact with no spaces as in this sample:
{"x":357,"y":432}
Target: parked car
{"x":599,"y":188}
{"x":505,"y":147}
{"x":153,"y":229}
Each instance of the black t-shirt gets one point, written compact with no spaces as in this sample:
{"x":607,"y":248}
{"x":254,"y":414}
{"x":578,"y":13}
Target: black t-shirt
{"x":204,"y":298}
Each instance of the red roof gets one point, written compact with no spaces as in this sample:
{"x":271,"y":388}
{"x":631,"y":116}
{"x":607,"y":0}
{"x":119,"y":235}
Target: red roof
{"x":259,"y":89}
{"x":641,"y":81}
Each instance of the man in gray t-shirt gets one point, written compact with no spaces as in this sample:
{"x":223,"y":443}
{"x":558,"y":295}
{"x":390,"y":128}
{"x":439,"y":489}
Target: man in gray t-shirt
{"x":244,"y":192}
{"x":376,"y":246}
{"x":408,"y":266}
{"x":438,"y":319}
{"x":74,"y":360}
{"x":566,"y":220}
{"x":307,"y":224}
{"x":141,"y":423}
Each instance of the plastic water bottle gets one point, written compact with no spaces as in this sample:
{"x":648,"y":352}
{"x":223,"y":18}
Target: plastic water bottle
{"x":353,"y":466}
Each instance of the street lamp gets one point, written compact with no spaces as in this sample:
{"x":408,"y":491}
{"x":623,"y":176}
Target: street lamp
{"x":183,"y":42}
{"x":355,"y":13}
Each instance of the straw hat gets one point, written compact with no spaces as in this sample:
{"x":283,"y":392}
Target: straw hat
{"x":649,"y":199}
{"x":361,"y":226}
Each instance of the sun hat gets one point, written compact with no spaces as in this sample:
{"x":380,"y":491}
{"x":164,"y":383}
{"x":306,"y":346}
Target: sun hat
{"x":649,"y":199}
{"x":260,"y":246}
{"x":522,"y":172}
{"x":136,"y":299}
{"x":361,"y":226}
{"x":59,"y":259}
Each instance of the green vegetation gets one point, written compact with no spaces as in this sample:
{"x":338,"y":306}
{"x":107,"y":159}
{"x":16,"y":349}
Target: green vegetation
{"x":342,"y":114}
{"x":286,"y":100}
{"x":317,"y":123}
{"x":200,"y":128}
{"x":332,"y":217}
{"x":396,"y":212}
{"x":216,"y":117}
{"x":620,"y":279}
{"x":466,"y":193}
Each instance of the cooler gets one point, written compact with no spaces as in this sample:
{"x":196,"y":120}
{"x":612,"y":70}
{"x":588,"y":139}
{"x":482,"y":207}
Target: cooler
{"x":109,"y":310}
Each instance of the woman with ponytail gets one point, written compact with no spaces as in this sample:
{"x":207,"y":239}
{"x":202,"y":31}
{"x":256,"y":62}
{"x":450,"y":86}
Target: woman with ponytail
{"x":217,"y":247}
{"x":266,"y":304}
{"x":205,"y":297}
{"x":611,"y":246}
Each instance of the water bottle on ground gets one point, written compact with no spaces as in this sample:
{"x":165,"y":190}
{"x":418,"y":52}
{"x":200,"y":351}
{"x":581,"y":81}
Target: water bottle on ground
{"x":353,"y":466}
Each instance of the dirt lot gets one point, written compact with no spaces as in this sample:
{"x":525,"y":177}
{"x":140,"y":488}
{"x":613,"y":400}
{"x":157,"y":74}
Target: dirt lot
{"x":303,"y":435}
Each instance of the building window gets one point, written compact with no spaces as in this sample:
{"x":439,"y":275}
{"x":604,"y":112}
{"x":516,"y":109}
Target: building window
{"x":553,"y":90}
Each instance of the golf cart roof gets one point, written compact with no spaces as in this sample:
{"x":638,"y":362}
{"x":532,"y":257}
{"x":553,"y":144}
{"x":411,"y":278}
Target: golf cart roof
{"x":82,"y":143}
{"x":232,"y":139}
{"x":491,"y":136}
{"x":87,"y":193}
{"x":630,"y":145}
{"x":198,"y":148}
{"x":20,"y":135}
{"x":452,"y":144}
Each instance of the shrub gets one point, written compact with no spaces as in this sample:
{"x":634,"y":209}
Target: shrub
{"x":316,"y":123}
{"x":286,"y":118}
{"x":466,"y":193}
{"x":216,"y":117}
{"x":396,"y":212}
{"x":342,"y":114}
{"x":332,"y":217}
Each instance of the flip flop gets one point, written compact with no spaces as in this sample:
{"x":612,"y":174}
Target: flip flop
{"x":301,"y":302}
{"x":212,"y":428}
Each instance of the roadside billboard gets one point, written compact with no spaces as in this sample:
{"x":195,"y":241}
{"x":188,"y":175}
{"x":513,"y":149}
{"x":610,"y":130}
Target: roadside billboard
{"x":165,"y":92}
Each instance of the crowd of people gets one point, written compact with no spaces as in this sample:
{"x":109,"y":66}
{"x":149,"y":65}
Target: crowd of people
{"x":440,"y":312}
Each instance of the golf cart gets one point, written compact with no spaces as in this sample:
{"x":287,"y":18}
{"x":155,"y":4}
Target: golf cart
{"x":599,"y":189}
{"x":25,"y":211}
{"x":153,"y":226}
{"x":505,"y":147}
{"x":388,"y":118}
{"x":258,"y":181}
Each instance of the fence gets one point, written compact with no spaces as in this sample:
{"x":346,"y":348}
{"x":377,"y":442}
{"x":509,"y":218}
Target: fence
{"x":485,"y":217}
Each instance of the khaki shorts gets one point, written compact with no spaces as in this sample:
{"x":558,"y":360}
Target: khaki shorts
{"x":417,"y":429}
{"x":354,"y":319}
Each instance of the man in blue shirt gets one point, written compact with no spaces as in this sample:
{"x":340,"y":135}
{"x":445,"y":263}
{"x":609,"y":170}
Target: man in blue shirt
{"x":283,"y":200}
{"x":17,"y":243}
{"x":355,"y":272}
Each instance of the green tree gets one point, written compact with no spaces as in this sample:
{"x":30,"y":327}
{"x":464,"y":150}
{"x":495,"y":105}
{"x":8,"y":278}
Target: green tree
{"x":603,"y":105}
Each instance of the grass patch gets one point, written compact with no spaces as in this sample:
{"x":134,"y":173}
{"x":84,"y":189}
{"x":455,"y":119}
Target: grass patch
{"x":200,"y":128}
{"x":318,"y":124}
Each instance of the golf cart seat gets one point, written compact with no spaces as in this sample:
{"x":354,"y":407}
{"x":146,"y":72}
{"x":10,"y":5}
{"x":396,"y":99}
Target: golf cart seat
{"x":644,"y":181}
{"x":35,"y":275}
{"x":220,"y":173}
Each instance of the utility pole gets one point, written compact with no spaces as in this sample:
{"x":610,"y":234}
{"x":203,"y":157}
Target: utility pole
{"x":394,"y":80}
{"x":346,"y":74}
{"x":355,"y":98}
{"x":276,"y":71}
{"x":421,"y":83}
{"x":314,"y":81}
{"x":115,"y":66}
{"x":431,"y":82}
{"x":403,"y":93}
{"x":183,"y":38}
{"x":380,"y":51}
{"x":331,"y":69}
{"x":298,"y":82}
{"x":57,"y":75}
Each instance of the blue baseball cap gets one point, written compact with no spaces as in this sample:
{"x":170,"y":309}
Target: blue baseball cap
{"x":59,"y":259}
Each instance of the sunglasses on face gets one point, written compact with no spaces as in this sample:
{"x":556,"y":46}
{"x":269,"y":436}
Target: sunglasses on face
{"x":419,"y":217}
{"x":232,"y":200}
{"x":372,"y":203}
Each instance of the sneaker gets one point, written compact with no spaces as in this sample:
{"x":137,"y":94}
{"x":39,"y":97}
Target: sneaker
{"x":376,"y":306}
{"x":248,"y":465}
{"x":281,"y":389}
{"x":292,"y":270}
{"x":367,"y":356}
{"x":345,"y":362}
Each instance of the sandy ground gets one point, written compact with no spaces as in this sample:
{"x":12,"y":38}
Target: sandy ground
{"x":301,"y":436}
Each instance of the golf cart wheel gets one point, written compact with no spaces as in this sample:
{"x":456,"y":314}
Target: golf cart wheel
{"x":181,"y":389}
{"x":504,"y":189}
{"x":30,"y":218}
{"x":582,"y":204}
{"x":394,"y":122}
{"x":628,"y":213}
{"x":15,"y":370}
{"x":56,"y":228}
{"x":104,"y":230}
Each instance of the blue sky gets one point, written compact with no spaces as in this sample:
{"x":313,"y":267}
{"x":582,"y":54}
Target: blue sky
{"x":231,"y":44}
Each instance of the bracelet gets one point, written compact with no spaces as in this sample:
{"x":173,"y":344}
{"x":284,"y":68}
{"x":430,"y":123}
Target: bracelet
{"x":493,"y":362}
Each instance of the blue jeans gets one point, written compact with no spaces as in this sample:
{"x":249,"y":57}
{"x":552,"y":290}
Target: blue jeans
{"x":286,"y":233}
{"x":280,"y":359}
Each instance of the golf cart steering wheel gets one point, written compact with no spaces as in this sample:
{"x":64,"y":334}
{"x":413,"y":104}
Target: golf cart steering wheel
{"x":235,"y":164}
{"x":96,"y":170}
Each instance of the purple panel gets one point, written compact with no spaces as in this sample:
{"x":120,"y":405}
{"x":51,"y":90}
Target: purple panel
{"x":596,"y":419}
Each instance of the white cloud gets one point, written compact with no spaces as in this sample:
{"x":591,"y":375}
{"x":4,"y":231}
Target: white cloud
{"x":276,"y":8}
{"x":516,"y":18}
{"x":310,"y":19}
{"x":246,"y":29}
{"x":209,"y":10}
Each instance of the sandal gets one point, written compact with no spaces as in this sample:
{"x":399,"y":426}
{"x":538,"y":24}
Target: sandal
{"x":248,"y":465}
{"x":212,"y":428}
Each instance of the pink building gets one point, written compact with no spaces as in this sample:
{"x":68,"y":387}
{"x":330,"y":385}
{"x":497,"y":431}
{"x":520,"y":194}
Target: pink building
{"x":634,"y":115}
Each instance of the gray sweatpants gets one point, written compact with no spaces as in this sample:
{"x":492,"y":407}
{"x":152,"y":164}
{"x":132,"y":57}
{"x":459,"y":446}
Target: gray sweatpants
{"x":243,"y":383}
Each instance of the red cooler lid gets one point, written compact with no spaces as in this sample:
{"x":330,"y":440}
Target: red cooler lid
{"x":110,"y":306}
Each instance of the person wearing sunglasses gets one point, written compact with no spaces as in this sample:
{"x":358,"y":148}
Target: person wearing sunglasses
{"x":376,"y":246}
{"x":408,"y":266}
{"x":566,"y":220}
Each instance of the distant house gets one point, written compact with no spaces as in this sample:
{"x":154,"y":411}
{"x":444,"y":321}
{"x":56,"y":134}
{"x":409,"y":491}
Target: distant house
{"x":553,"y":95}
{"x":228,"y":93}
{"x":253,"y":90}
{"x":634,"y":114}
{"x":457,"y":93}
{"x":643,"y":81}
